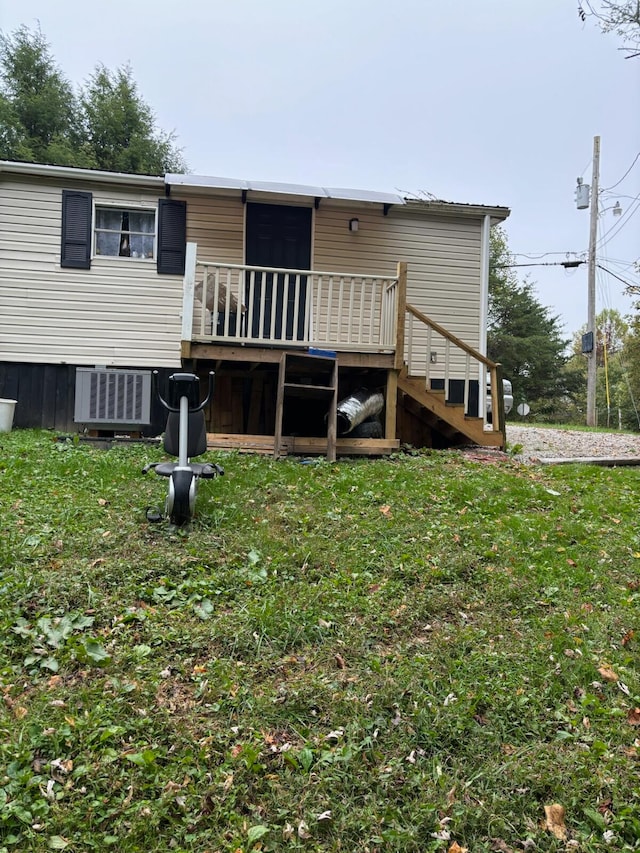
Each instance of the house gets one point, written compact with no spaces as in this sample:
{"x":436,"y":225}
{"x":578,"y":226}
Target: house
{"x":296,"y":296}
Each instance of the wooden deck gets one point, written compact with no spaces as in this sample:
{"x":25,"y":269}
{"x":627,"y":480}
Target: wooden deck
{"x":244,"y":322}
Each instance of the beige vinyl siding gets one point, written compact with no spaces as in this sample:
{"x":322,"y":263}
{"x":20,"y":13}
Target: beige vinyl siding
{"x":443,"y":255}
{"x":217,"y":226}
{"x":118,"y":313}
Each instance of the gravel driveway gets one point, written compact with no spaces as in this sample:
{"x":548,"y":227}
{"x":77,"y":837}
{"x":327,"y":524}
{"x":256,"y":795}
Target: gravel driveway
{"x":540,"y":444}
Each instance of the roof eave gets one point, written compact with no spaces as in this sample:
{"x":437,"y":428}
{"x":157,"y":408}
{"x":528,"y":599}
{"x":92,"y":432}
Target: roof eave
{"x":498,"y":213}
{"x":71,"y":173}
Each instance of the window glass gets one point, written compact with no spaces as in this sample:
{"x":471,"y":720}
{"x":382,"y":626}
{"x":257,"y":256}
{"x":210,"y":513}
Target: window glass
{"x":125,"y":233}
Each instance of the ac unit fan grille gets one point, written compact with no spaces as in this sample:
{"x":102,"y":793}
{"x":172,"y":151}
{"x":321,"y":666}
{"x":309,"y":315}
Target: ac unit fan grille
{"x":112,"y":396}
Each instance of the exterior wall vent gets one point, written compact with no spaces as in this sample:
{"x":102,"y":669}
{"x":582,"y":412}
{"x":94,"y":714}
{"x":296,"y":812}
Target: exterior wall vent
{"x":114,"y":397}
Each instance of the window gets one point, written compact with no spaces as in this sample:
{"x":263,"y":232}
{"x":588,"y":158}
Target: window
{"x":113,"y":231}
{"x":125,"y":233}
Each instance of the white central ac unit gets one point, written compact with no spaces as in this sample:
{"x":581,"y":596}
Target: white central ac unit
{"x":116,"y":397}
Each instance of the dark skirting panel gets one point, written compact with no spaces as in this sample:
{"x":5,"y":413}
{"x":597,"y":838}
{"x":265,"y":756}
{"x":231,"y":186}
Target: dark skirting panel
{"x":46,"y":397}
{"x":456,"y":393}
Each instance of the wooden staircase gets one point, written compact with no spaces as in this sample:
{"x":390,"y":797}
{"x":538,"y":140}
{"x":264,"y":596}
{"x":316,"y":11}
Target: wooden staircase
{"x":448,"y":420}
{"x":429,"y":351}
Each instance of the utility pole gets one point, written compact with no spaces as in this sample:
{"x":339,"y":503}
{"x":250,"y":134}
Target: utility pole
{"x":591,"y":288}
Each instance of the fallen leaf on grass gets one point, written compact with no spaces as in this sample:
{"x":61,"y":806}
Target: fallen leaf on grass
{"x":607,"y":673}
{"x":62,"y":766}
{"x":336,"y":734}
{"x":554,"y":822}
{"x":303,"y":830}
{"x":340,"y":661}
{"x":386,"y":510}
{"x":628,"y":637}
{"x":633,"y":717}
{"x":455,"y":848}
{"x":500,"y":846}
{"x":287,"y":832}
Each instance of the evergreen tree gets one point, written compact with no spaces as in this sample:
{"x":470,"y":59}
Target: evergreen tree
{"x":523,"y":336}
{"x":37,"y":105}
{"x":106,"y":126}
{"x":119,"y":127}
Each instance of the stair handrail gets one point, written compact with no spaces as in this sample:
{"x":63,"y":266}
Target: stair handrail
{"x":493,"y":368}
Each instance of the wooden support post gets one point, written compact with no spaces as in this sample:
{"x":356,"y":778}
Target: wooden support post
{"x":391,"y":405}
{"x":332,"y":416}
{"x":401,"y":310}
{"x":277,"y":433}
{"x":188,"y":291}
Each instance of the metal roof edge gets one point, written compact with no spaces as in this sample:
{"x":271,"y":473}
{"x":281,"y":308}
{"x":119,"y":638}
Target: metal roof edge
{"x":496,"y":211}
{"x":42,"y":170}
{"x":211,"y":182}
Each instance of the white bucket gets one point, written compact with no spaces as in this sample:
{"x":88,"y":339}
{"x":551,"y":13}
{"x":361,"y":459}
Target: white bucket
{"x":7,"y":408}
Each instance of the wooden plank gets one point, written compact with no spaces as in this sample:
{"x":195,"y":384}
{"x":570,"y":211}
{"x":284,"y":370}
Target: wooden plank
{"x":28,"y":411}
{"x":332,"y":419}
{"x":255,"y":403}
{"x":237,"y":407}
{"x":401,"y":309}
{"x":65,"y":398}
{"x":49,"y":380}
{"x":277,"y":437}
{"x":391,"y":405}
{"x":188,"y":291}
{"x":272,"y":355}
{"x":301,"y":444}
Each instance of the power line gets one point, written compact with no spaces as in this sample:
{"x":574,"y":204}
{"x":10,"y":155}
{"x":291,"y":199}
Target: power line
{"x":635,"y":160}
{"x":566,"y":264}
{"x":624,"y":220}
{"x":536,"y":255}
{"x":626,"y":283}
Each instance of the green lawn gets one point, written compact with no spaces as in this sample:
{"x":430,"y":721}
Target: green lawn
{"x":412,"y":654}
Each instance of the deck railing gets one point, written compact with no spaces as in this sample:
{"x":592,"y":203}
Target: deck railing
{"x":267,"y":306}
{"x":241,"y":304}
{"x":440,"y":358}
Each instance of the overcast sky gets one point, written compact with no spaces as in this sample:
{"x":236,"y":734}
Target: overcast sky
{"x":478,"y":101}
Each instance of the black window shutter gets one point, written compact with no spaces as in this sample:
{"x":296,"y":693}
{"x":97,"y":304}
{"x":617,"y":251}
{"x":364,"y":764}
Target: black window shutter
{"x":172,"y":236}
{"x":75,"y":250}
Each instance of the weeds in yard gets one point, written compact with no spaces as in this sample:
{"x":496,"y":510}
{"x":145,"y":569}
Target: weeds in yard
{"x":396,"y":655}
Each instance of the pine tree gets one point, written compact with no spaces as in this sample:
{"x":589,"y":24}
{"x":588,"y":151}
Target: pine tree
{"x":107,"y":125}
{"x":523,"y":335}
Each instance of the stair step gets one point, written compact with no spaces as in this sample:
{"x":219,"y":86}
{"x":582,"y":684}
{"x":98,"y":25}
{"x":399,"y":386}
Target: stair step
{"x":447,"y":418}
